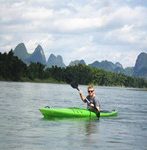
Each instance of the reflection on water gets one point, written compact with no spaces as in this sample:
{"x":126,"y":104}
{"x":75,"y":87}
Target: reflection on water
{"x":91,"y":127}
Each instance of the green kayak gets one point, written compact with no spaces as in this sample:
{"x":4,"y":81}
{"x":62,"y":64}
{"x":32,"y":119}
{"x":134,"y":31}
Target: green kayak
{"x":51,"y":113}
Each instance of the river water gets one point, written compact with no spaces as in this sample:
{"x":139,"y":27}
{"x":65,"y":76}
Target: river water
{"x":22,"y":126}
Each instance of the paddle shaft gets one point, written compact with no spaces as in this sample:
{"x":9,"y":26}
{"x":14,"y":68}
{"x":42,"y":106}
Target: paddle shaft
{"x":86,"y":98}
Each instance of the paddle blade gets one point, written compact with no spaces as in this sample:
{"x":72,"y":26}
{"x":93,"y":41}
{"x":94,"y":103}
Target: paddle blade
{"x":74,"y":85}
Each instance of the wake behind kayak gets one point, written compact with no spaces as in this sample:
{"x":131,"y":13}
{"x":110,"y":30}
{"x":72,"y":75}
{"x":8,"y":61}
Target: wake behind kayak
{"x":52,"y":113}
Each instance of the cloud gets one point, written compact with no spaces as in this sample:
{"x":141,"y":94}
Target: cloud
{"x":90,"y":29}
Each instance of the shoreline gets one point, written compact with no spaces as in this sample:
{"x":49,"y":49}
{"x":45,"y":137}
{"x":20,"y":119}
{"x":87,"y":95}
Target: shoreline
{"x":53,"y":81}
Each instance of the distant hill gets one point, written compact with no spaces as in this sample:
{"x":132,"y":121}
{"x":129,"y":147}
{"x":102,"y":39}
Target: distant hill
{"x":140,"y":69}
{"x":107,"y":66}
{"x":128,"y":71}
{"x":116,"y":68}
{"x":77,"y":62}
{"x":37,"y":56}
{"x":55,"y":61}
{"x":21,"y":52}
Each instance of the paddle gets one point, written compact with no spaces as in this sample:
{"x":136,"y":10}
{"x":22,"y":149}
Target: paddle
{"x":75,"y":86}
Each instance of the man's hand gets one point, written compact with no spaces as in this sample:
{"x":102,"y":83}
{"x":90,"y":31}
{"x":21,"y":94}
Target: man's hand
{"x":92,"y":105}
{"x":98,"y":108}
{"x":80,"y":92}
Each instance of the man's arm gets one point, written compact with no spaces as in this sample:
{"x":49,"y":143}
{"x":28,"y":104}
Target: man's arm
{"x":96,"y":104}
{"x":82,"y":96}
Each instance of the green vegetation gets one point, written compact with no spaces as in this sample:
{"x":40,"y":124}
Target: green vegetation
{"x":13,"y":69}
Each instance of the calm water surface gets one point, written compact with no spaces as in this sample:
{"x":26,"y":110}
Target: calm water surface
{"x":22,"y":126}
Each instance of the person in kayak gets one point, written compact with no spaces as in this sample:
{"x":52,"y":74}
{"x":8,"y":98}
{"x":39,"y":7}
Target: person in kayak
{"x":91,"y":100}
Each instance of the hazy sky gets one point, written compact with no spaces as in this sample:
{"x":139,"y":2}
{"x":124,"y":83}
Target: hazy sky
{"x":114,"y":30}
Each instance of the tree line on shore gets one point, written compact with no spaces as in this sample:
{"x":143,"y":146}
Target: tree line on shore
{"x":13,"y":69}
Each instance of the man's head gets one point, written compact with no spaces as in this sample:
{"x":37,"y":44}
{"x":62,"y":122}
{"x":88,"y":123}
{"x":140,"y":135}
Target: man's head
{"x":91,"y":90}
